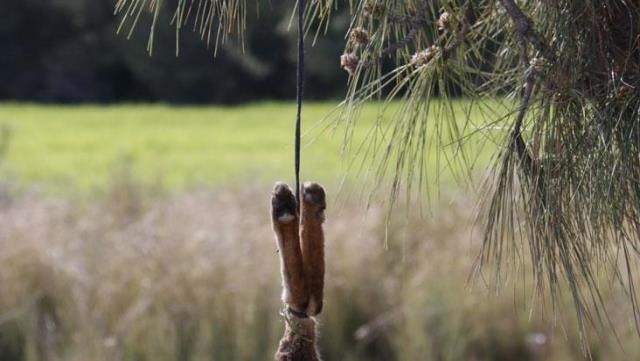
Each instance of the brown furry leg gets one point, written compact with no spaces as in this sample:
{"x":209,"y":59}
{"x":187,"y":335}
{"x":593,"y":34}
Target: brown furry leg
{"x":312,"y":243}
{"x":284,"y":217}
{"x":299,"y":340}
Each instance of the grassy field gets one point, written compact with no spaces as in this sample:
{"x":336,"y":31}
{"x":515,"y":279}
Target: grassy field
{"x":194,"y":277}
{"x":182,"y":146}
{"x":80,"y":146}
{"x":131,"y":274}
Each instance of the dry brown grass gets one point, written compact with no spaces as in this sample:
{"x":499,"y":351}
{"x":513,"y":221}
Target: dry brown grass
{"x":194,"y":276}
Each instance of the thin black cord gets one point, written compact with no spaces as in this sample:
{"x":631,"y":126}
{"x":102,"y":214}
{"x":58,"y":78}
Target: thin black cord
{"x":299,"y":91}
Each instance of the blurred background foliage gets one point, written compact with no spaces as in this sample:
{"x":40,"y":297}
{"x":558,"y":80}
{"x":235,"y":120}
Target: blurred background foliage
{"x":67,"y":51}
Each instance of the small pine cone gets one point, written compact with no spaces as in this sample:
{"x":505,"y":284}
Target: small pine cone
{"x":373,"y":9}
{"x":349,"y":62}
{"x":424,"y":56}
{"x":444,"y":21}
{"x":360,"y":36}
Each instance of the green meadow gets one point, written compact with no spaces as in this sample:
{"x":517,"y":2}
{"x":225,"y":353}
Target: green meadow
{"x":79,"y":147}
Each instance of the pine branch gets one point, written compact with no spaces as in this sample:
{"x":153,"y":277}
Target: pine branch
{"x":525,"y":29}
{"x":415,"y":20}
{"x":467,"y":22}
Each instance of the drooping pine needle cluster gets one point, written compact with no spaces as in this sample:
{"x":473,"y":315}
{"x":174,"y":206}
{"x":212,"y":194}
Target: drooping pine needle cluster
{"x":558,"y":85}
{"x":214,"y":20}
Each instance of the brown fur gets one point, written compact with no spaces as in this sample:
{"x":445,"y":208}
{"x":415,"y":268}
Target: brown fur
{"x":299,"y":340}
{"x":285,"y":220}
{"x":312,"y":243}
{"x":301,"y":245}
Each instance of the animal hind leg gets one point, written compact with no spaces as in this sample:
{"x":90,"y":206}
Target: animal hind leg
{"x":285,"y":221}
{"x":312,"y":216}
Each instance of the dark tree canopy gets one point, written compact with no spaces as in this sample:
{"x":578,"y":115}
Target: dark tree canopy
{"x":566,"y":185}
{"x":72,"y":54}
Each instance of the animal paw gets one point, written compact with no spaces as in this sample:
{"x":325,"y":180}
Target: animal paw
{"x":314,"y":197}
{"x":283,"y":203}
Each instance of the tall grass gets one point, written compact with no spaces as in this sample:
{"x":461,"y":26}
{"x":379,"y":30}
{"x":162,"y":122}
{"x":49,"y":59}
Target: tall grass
{"x":138,"y":275}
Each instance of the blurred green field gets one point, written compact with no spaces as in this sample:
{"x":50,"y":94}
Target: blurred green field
{"x":78,"y":147}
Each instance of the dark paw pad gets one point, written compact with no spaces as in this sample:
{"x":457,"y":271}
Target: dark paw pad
{"x":314,"y":193}
{"x":283,"y":203}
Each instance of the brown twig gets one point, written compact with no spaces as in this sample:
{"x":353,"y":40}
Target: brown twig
{"x":415,"y":20}
{"x":461,"y":35}
{"x":524,"y":31}
{"x":525,"y":28}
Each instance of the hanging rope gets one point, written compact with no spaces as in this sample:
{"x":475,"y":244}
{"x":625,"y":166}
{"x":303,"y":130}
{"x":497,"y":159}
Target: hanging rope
{"x":299,"y":91}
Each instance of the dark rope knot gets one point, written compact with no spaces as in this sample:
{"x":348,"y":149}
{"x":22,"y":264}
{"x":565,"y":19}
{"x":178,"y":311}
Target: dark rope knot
{"x":296,"y":313}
